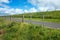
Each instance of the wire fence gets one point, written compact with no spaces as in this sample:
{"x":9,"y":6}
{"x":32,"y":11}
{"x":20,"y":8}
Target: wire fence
{"x":23,"y":18}
{"x":44,"y":20}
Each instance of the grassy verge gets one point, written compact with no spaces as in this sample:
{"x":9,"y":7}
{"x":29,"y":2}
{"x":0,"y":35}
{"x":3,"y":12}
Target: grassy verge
{"x":45,"y":20}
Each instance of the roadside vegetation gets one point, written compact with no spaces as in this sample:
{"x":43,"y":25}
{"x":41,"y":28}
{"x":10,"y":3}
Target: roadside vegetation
{"x":49,"y":16}
{"x":24,"y":31}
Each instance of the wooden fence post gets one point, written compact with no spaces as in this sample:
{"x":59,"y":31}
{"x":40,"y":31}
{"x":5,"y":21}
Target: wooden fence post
{"x":43,"y":20}
{"x":23,"y":18}
{"x":10,"y":17}
{"x":30,"y":18}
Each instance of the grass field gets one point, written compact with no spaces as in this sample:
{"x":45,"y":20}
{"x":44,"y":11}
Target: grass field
{"x":49,"y":16}
{"x":43,"y":20}
{"x":24,"y":31}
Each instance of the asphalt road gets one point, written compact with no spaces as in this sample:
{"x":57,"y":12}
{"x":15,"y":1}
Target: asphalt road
{"x":48,"y":24}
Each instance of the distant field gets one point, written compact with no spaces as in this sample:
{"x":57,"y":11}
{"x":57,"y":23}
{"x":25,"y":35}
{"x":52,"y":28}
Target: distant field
{"x":24,"y":31}
{"x":45,"y":20}
{"x":49,"y":16}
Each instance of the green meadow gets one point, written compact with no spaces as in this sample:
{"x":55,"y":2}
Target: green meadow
{"x":49,"y":16}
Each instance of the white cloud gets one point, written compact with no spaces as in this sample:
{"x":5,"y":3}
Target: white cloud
{"x":46,"y":8}
{"x":33,"y":10}
{"x":39,"y":2}
{"x":45,"y":3}
{"x":15,"y":11}
{"x":3,"y":9}
{"x":30,"y":10}
{"x":43,"y":8}
{"x":7,"y":10}
{"x":26,"y":11}
{"x":11,"y":10}
{"x":4,"y":5}
{"x":18,"y":10}
{"x":5,"y":1}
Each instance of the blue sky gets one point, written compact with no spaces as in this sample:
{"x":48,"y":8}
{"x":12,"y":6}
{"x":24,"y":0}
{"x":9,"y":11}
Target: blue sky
{"x":21,"y":6}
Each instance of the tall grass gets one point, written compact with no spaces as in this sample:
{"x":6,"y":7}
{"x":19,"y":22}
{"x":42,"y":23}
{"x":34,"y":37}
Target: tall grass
{"x":25,"y":31}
